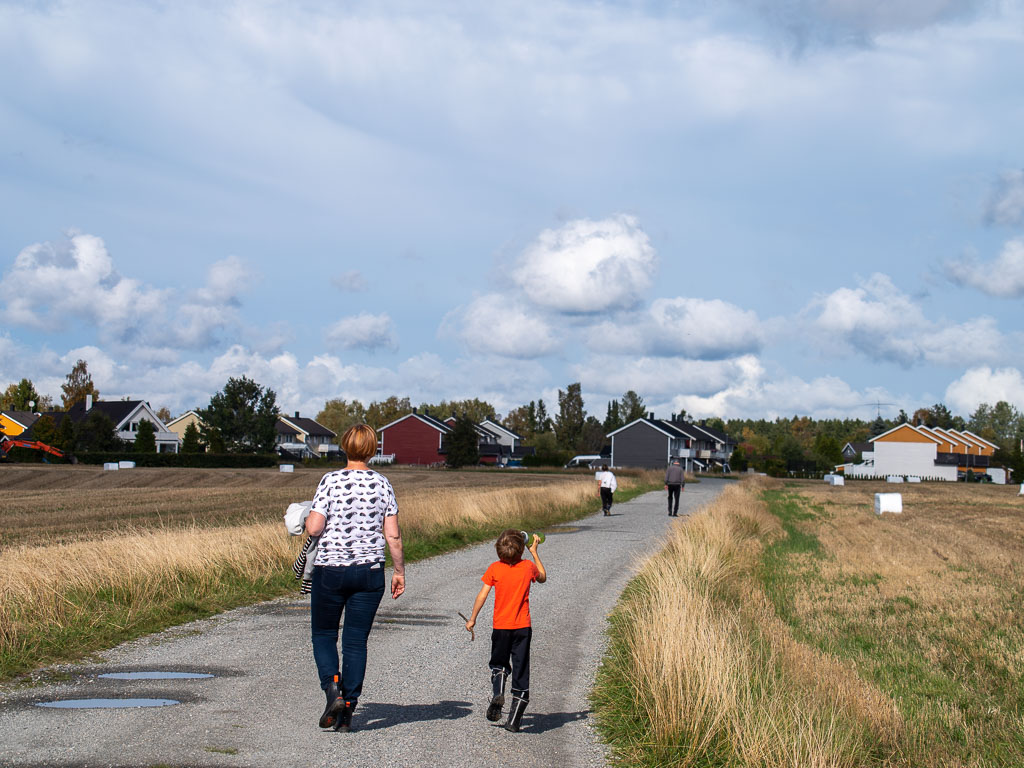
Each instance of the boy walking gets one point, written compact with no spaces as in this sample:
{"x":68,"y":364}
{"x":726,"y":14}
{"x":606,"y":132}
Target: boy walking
{"x":511,"y":577}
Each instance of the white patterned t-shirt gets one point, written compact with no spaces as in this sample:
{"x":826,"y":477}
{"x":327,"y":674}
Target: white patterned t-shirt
{"x":355,"y":503}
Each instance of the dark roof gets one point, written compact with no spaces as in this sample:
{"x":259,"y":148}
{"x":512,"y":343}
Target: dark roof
{"x":25,"y":418}
{"x":310,"y":426}
{"x":283,"y":429}
{"x":116,"y":410}
{"x":434,"y":422}
{"x":859,"y":447}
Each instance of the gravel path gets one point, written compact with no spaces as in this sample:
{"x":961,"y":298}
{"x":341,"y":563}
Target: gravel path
{"x":426,"y":686}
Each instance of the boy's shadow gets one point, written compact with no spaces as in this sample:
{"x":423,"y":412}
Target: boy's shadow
{"x":374,"y":716}
{"x":541,"y":722}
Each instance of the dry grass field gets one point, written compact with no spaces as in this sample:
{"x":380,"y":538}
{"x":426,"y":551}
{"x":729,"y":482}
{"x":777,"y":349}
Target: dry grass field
{"x":787,"y":625}
{"x":71,"y":503}
{"x":90,"y":559}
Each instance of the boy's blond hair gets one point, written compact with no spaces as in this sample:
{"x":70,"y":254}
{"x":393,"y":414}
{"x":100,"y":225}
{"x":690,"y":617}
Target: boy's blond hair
{"x":509,"y":546}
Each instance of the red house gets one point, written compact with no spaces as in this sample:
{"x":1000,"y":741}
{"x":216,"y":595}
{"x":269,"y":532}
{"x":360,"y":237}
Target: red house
{"x":414,"y":439}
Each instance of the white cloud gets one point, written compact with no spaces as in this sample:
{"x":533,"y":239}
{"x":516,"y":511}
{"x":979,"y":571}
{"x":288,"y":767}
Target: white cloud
{"x":502,"y":325}
{"x":699,"y":328}
{"x":51,"y":283}
{"x":883,"y":323}
{"x":1003,"y":278}
{"x":658,"y":378}
{"x":985,"y":385}
{"x":1006,"y":205}
{"x":225,"y":280}
{"x":588,"y":266}
{"x":349,"y":282}
{"x":363,"y":331}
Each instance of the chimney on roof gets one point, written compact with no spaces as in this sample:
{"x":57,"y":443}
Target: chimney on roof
{"x":296,"y":414}
{"x":426,"y":411}
{"x":651,"y":415}
{"x":88,"y":403}
{"x":703,"y":422}
{"x":414,"y":410}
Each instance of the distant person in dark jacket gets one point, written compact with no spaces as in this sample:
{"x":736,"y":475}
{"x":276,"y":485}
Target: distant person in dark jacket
{"x":675,"y":482}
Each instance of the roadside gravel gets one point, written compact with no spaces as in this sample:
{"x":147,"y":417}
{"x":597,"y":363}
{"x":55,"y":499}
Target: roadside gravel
{"x":426,"y":686}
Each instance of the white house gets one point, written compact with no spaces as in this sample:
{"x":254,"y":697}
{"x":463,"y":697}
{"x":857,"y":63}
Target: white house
{"x":907,"y":450}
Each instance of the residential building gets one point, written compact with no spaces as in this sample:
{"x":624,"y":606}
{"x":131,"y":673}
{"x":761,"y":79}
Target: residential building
{"x":180,"y":424}
{"x":305,"y":438}
{"x":126,"y":416}
{"x":13,"y":423}
{"x":653,"y":443}
{"x":416,"y":438}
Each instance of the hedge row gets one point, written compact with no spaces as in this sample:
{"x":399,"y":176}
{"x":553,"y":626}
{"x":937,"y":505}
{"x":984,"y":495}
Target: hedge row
{"x":196,"y":460}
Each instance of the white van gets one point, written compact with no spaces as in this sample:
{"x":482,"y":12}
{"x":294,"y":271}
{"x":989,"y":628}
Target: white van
{"x":585,"y":460}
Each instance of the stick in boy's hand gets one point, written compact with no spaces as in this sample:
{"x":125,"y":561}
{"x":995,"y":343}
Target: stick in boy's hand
{"x":472,"y":633}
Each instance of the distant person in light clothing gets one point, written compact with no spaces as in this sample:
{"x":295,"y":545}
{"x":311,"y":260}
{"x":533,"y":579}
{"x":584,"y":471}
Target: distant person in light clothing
{"x":608,"y":484}
{"x":675,"y":482}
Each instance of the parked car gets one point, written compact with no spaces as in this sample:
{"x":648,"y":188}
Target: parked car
{"x":584,"y":460}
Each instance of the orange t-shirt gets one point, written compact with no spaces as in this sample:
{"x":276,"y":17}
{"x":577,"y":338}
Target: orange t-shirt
{"x":511,"y":592}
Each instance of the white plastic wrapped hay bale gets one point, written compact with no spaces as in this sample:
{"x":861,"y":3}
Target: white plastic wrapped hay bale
{"x":126,"y":465}
{"x":110,"y":465}
{"x":913,"y":479}
{"x":838,"y":480}
{"x":828,"y":479}
{"x":287,"y":467}
{"x":888,"y":502}
{"x":894,"y":479}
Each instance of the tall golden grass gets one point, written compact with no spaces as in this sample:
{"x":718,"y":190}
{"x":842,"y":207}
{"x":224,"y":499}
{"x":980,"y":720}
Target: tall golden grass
{"x":72,"y":589}
{"x":702,"y":672}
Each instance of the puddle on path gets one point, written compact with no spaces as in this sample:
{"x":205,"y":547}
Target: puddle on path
{"x":107,"y":703}
{"x":155,"y":675}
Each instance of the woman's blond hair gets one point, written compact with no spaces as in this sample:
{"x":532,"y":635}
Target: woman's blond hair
{"x":359,"y":442}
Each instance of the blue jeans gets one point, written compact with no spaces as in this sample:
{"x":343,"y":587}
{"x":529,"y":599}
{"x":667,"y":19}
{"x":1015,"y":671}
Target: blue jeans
{"x":357,"y":590}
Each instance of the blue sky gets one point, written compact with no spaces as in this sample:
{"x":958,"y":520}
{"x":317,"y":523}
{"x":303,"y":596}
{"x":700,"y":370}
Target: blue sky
{"x":739,"y":209}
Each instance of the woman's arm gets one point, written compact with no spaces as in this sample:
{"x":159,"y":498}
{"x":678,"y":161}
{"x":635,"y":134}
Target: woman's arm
{"x":315,"y":523}
{"x":393,"y":535}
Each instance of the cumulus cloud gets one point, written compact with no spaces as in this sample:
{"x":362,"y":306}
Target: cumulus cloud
{"x":883,"y":323}
{"x":363,"y":331}
{"x":699,"y":328}
{"x":501,"y":325}
{"x":588,"y":266}
{"x":985,"y":385}
{"x":349,"y":282}
{"x":51,"y":283}
{"x":1003,"y":277}
{"x":662,"y":377}
{"x":225,"y":280}
{"x":1006,"y":205}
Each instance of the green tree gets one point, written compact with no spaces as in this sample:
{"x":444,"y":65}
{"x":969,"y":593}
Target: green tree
{"x":940,"y":416}
{"x":65,"y":439}
{"x":571,"y":415}
{"x":476,"y":409}
{"x":632,"y":407}
{"x":543,"y":420}
{"x":738,"y":461}
{"x":461,"y":443}
{"x":190,"y":440}
{"x":77,"y":385}
{"x":382,"y":413}
{"x":827,"y":450}
{"x":45,"y":430}
{"x":519,"y":421}
{"x":612,"y":417}
{"x":592,"y":436}
{"x":96,"y":433}
{"x":164,"y":415}
{"x":21,"y":397}
{"x":244,"y":415}
{"x":145,"y":437}
{"x":338,"y":415}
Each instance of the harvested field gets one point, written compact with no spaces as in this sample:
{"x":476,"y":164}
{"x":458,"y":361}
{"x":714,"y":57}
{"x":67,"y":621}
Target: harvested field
{"x":83,"y":502}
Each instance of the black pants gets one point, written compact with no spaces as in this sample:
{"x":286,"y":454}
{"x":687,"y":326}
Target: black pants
{"x":673,"y":493}
{"x":510,"y":656}
{"x":606,"y":499}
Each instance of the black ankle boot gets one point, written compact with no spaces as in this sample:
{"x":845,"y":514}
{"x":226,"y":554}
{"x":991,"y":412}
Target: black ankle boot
{"x":515,"y":714}
{"x":334,"y":704}
{"x":498,"y":679}
{"x":345,"y":717}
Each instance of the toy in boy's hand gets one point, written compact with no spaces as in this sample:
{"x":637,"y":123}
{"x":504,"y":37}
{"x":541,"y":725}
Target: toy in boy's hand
{"x":528,"y":538}
{"x":472,"y":633}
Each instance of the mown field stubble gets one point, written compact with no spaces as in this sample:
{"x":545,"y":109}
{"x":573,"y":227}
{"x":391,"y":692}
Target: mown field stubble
{"x":89,"y":559}
{"x":787,"y":625}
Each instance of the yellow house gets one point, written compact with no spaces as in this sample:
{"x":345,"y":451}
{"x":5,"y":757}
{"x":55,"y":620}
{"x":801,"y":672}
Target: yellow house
{"x":13,"y":423}
{"x":180,"y":424}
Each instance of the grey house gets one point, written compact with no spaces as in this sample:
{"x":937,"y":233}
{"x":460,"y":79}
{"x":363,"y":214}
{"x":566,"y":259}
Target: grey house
{"x":653,"y":443}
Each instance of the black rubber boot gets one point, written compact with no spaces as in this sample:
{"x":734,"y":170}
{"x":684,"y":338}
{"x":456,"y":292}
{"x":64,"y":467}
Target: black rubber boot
{"x":334,"y":704}
{"x":345,"y":717}
{"x":515,"y":714}
{"x":498,"y":678}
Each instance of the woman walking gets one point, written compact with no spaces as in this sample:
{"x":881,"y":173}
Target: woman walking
{"x":355,"y":513}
